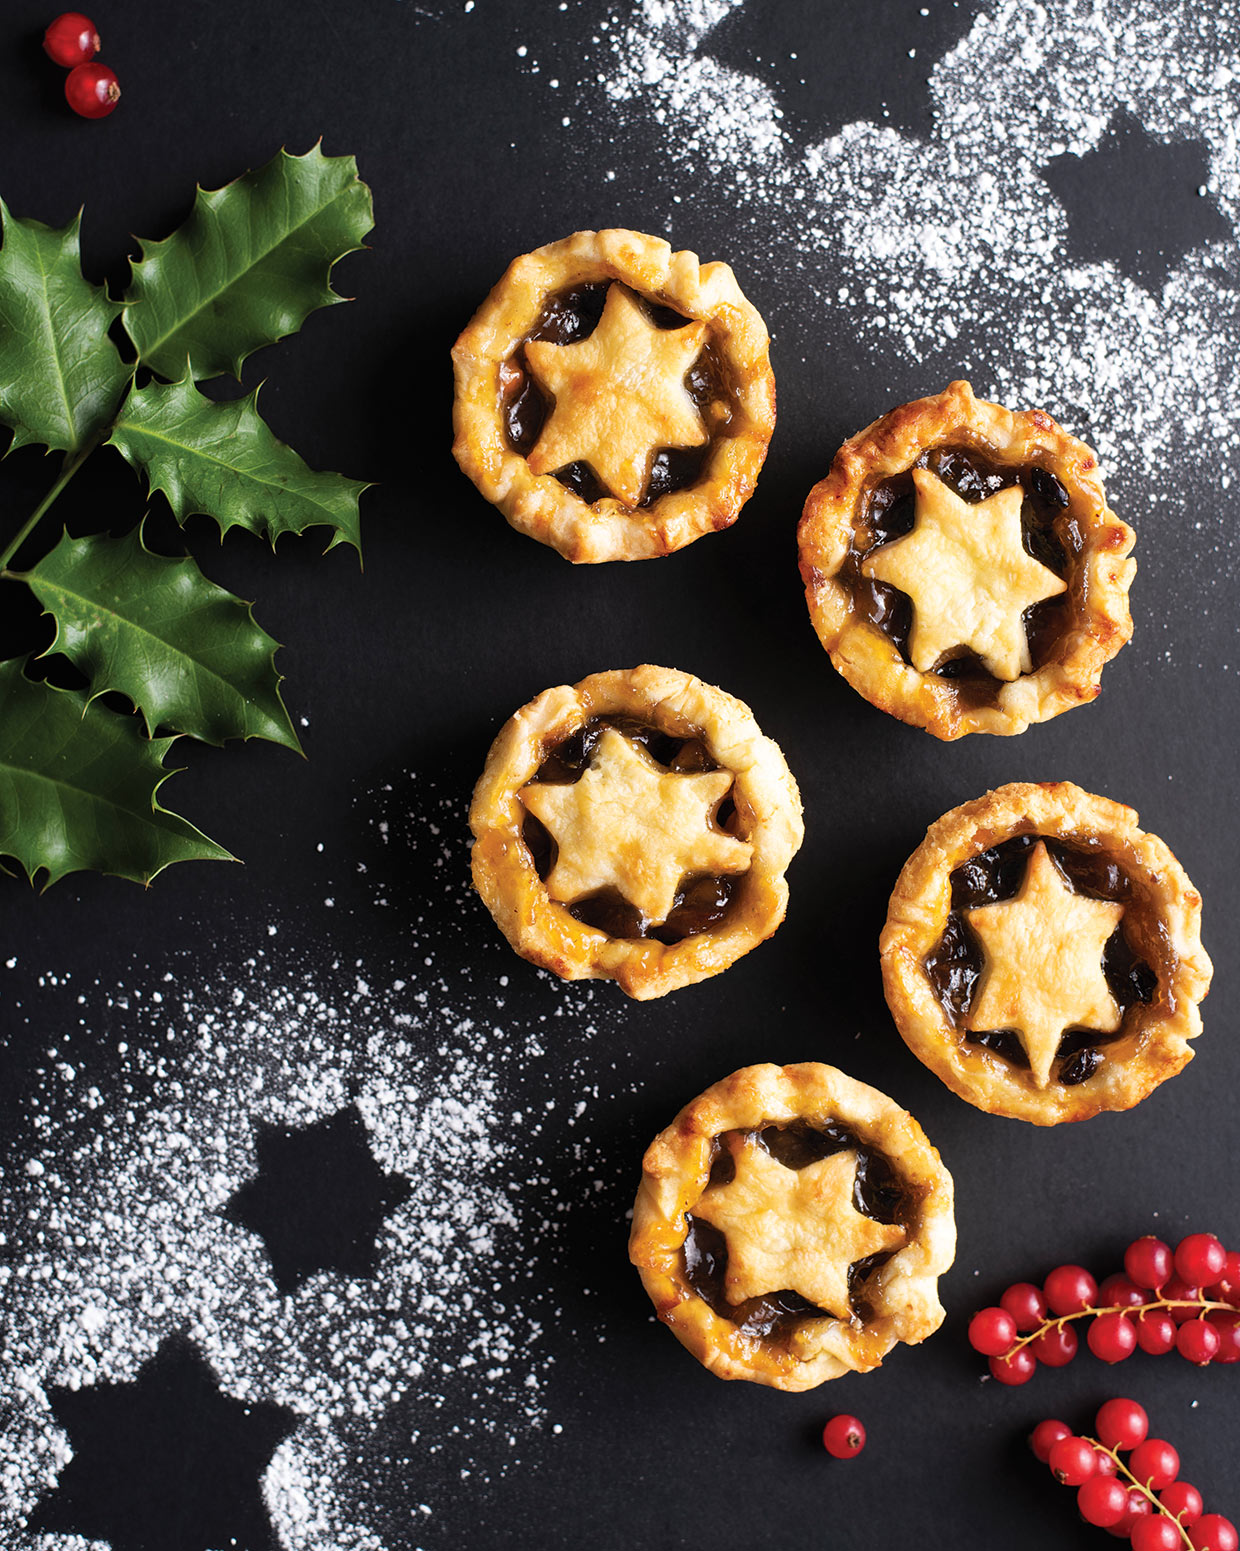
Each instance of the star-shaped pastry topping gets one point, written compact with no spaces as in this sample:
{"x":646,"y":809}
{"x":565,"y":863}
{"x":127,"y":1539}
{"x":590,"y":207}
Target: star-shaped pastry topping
{"x":969,"y":575}
{"x":794,"y":1229}
{"x":167,"y":1460}
{"x":619,"y":396}
{"x":319,"y":1199}
{"x":628,"y":824}
{"x":1043,"y":971}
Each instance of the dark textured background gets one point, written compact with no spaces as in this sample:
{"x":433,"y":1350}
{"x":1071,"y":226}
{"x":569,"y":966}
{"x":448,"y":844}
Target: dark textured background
{"x":457,"y":620}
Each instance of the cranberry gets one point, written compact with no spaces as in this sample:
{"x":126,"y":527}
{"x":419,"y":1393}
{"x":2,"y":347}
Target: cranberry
{"x":71,"y":40}
{"x":92,"y":90}
{"x":1122,"y":1424}
{"x":843,"y":1437}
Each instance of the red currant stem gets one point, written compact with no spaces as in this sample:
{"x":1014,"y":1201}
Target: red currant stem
{"x":1202,"y":1304}
{"x":1144,"y":1490}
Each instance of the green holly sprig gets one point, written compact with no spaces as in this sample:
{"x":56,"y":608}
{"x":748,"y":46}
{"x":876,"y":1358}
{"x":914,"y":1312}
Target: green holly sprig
{"x":79,"y":782}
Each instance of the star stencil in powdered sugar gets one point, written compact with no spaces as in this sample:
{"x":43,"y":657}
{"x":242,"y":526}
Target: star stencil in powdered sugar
{"x":318,"y":1200}
{"x":619,"y":396}
{"x":794,"y":1229}
{"x":828,"y":69}
{"x":1043,"y":971}
{"x":966,"y":569}
{"x":165,"y":1461}
{"x":630,"y":825}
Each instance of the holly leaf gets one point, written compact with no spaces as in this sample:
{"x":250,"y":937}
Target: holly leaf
{"x":253,"y":260}
{"x":79,"y":785}
{"x":222,"y":459}
{"x":60,"y":374}
{"x":188,"y":654}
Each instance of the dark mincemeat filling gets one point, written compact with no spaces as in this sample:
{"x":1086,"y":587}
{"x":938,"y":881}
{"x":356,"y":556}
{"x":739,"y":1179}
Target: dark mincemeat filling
{"x":701,"y":902}
{"x":571,"y":316}
{"x":954,"y":966}
{"x":877,"y":1192}
{"x":889,"y":514}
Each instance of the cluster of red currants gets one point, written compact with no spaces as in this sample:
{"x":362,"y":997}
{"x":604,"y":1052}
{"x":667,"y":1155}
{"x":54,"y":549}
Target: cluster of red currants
{"x":91,"y":89}
{"x":1140,"y":1498}
{"x":1188,"y":1301}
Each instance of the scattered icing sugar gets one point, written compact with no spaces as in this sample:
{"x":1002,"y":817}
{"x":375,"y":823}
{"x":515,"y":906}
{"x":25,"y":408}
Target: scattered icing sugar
{"x":114,"y":1236}
{"x":953,"y":254}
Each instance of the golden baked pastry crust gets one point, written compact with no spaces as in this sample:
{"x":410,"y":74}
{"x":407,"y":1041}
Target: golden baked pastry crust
{"x":902,"y":1293}
{"x":1099,"y":572}
{"x":1162,"y":922}
{"x":539,"y":504}
{"x":768,"y":821}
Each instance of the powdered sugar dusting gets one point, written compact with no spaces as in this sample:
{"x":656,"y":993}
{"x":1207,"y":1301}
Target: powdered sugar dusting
{"x":116,"y":1239}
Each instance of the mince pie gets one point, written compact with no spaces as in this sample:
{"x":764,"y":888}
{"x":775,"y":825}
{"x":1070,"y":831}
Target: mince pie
{"x":962,"y":566}
{"x":635,"y":827}
{"x":1043,"y":955}
{"x":791,"y":1225}
{"x":614,"y":399}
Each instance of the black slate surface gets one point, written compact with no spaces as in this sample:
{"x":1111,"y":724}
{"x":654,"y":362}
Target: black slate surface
{"x":457,"y":620}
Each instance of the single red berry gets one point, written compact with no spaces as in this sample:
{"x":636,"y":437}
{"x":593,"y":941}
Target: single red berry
{"x":1119,"y":1292}
{"x":1069,"y":1289}
{"x":991,"y":1332}
{"x":1122,"y":1424}
{"x":1155,"y":1332}
{"x":1197,"y":1340}
{"x":843,"y":1437}
{"x":1112,"y":1337}
{"x":1227,"y":1288}
{"x":1102,"y":1501}
{"x":1056,"y":1347}
{"x":1184,"y":1294}
{"x":1154,"y":1464}
{"x":1212,"y":1532}
{"x":1182,"y":1501}
{"x":1228,"y":1326}
{"x":1157,"y":1533}
{"x":1200,"y":1259}
{"x":1017,"y":1367}
{"x":92,"y":90}
{"x":71,"y":40}
{"x":1046,"y":1435}
{"x":1148,"y":1261}
{"x":1073,"y":1461}
{"x":1025,"y":1303}
{"x":1139,"y":1508}
{"x":1107,"y":1465}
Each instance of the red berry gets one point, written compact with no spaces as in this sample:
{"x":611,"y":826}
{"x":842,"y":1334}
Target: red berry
{"x":1069,"y":1289}
{"x":1122,"y":1424}
{"x":843,"y":1437}
{"x":1118,"y":1292}
{"x":1102,"y":1501}
{"x":1017,"y":1367}
{"x":1139,"y":1508}
{"x":1025,"y":1303}
{"x":1198,"y":1341}
{"x":1212,"y":1532}
{"x":1073,"y":1461}
{"x":1227,"y":1288}
{"x":1186,"y":1295}
{"x":1182,"y":1501}
{"x":92,"y":90}
{"x":1107,"y":1465}
{"x":991,"y":1332}
{"x":1200,"y":1259}
{"x":1157,"y":1533}
{"x":1148,"y":1261}
{"x":1155,"y":1332}
{"x":1055,"y":1347}
{"x":1046,"y":1435}
{"x":1112,"y":1337}
{"x":1154,"y":1464}
{"x":71,"y":40}
{"x":1228,"y":1326}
